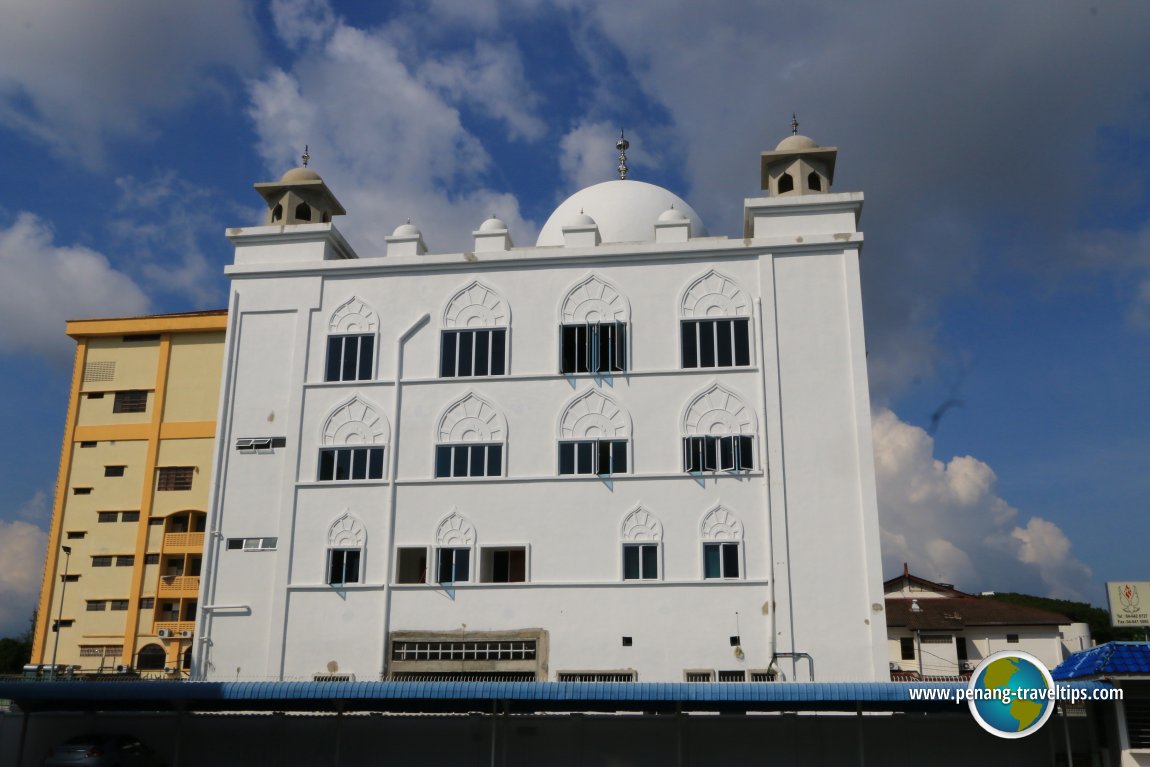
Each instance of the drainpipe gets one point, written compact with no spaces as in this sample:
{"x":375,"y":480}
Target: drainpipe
{"x":773,"y":642}
{"x":393,"y":469}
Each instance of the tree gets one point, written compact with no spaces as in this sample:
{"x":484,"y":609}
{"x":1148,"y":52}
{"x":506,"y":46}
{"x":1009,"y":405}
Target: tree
{"x":1080,"y":612}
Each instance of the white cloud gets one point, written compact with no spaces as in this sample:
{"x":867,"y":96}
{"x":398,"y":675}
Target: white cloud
{"x":42,"y":284}
{"x":76,"y":74}
{"x":22,"y":547}
{"x":390,"y":144}
{"x":948,"y":522}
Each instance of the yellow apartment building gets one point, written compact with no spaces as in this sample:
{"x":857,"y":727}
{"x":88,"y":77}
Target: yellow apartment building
{"x":121,"y":580}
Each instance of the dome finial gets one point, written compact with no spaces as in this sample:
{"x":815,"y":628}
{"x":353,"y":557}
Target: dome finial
{"x":794,"y":124}
{"x":305,"y":156}
{"x":622,"y":145}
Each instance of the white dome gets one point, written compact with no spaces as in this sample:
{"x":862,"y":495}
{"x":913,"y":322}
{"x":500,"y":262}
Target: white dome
{"x":581,"y":219}
{"x":626,"y":211}
{"x":795,"y":143}
{"x":492,"y":224}
{"x":407,"y":230}
{"x":672,"y":214}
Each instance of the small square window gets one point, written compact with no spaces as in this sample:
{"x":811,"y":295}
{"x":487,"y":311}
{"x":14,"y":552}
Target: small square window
{"x":74,"y":535}
{"x":125,"y":560}
{"x":96,"y":605}
{"x":503,"y":565}
{"x":349,"y":358}
{"x":129,"y":516}
{"x":628,"y":641}
{"x":343,"y":566}
{"x":87,"y":444}
{"x":469,"y":460}
{"x":151,"y":559}
{"x":101,"y":561}
{"x":235,"y":544}
{"x":175,"y":477}
{"x":70,"y":577}
{"x":411,"y":565}
{"x":454,"y":566}
{"x":906,"y":648}
{"x":720,"y":560}
{"x":595,"y":347}
{"x":156,"y":521}
{"x":114,"y":471}
{"x":147,"y":603}
{"x":640,"y":561}
{"x":716,"y":343}
{"x":133,"y":401}
{"x":107,"y":516}
{"x":81,"y":491}
{"x":1012,"y":638}
{"x":466,"y":353}
{"x":118,"y":604}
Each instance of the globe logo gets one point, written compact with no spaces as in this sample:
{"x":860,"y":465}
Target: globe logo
{"x":1011,"y":694}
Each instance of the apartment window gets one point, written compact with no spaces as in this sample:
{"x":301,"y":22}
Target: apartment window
{"x":156,"y":521}
{"x":732,"y":676}
{"x":594,"y":347}
{"x":96,"y":605}
{"x":66,"y":623}
{"x":129,"y":516}
{"x":151,"y":559}
{"x":596,"y":456}
{"x":101,"y":561}
{"x":764,"y":676}
{"x":716,"y":343}
{"x":87,"y":444}
{"x":252,"y":544}
{"x":411,"y":565}
{"x":503,"y":565}
{"x":96,"y":394}
{"x":350,"y":463}
{"x":133,"y":401}
{"x":343,"y":566}
{"x":118,"y":604}
{"x":71,"y":577}
{"x":483,"y":460}
{"x":595,"y":676}
{"x":76,"y":534}
{"x":107,"y":516}
{"x":349,"y":358}
{"x":481,"y":650}
{"x":140,"y":338}
{"x":125,"y":560}
{"x":906,"y":648}
{"x":732,"y":453}
{"x":1012,"y":638}
{"x":114,"y":471}
{"x":259,"y":444}
{"x":720,"y":560}
{"x":454,"y":565}
{"x":175,"y":478}
{"x":81,"y":491}
{"x":698,"y":677}
{"x":481,"y":352}
{"x":147,"y":603}
{"x":640,"y":561}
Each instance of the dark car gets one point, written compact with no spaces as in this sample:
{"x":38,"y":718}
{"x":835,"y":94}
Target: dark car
{"x":102,"y":750}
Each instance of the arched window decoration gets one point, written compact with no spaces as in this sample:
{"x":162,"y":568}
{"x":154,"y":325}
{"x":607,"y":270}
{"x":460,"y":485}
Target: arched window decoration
{"x":346,"y":539}
{"x":718,"y":431}
{"x":454,"y":540}
{"x":474,"y":341}
{"x":786,"y":183}
{"x":303,"y":212}
{"x":593,"y":333}
{"x":277,"y":212}
{"x":642,"y":537}
{"x":470,"y":439}
{"x":715,"y":330}
{"x":151,"y":657}
{"x":593,"y":435}
{"x":814,"y":183}
{"x":351,"y":342}
{"x":722,"y":534}
{"x":353,"y":442}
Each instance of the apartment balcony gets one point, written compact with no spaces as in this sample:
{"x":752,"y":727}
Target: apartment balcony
{"x":175,"y":628}
{"x":179,"y":586}
{"x":187,"y":543}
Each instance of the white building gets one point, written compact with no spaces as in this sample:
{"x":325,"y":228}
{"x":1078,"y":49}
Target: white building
{"x":630,"y":451}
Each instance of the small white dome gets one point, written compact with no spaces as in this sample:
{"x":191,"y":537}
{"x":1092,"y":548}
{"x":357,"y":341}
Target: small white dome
{"x":581,"y":219}
{"x":672,"y":214}
{"x":407,"y":230}
{"x":492,"y":224}
{"x":295,"y":175}
{"x":795,"y":143}
{"x":624,"y":210}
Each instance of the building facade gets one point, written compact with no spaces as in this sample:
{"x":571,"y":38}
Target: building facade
{"x":121,"y":579}
{"x":631,"y":451}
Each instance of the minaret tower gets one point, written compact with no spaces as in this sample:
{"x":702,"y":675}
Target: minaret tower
{"x":798,"y":166}
{"x":299,"y":197}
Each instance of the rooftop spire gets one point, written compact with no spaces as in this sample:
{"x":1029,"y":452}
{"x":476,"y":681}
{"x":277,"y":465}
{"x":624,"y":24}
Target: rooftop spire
{"x":794,"y":124}
{"x":622,"y":145}
{"x":305,"y":156}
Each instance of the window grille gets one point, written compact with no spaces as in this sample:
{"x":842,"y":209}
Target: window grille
{"x":484,"y":460}
{"x":175,"y":478}
{"x":341,"y":464}
{"x":716,"y":343}
{"x":596,"y":676}
{"x":132,"y":401}
{"x":481,"y":352}
{"x":349,"y":358}
{"x":480,"y":650}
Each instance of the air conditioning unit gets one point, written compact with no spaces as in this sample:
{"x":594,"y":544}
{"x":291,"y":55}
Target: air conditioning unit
{"x":186,"y":634}
{"x":164,"y":633}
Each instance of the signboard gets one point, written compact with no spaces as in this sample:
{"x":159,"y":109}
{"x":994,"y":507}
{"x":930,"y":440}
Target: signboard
{"x":1129,"y":603}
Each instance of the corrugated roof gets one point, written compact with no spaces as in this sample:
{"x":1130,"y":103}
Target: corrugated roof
{"x":953,"y":614}
{"x":480,"y":696}
{"x":1110,"y":659}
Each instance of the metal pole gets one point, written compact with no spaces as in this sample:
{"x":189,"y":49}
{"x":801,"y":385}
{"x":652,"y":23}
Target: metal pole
{"x":60,"y":613}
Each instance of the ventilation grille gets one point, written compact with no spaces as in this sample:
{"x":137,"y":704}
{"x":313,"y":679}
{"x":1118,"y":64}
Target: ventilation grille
{"x":99,"y":371}
{"x":464,"y":676}
{"x":596,"y":676}
{"x":333,"y":678}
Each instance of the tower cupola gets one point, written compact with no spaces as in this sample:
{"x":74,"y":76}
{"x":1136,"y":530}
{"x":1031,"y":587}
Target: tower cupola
{"x":798,"y":166}
{"x":299,"y":197}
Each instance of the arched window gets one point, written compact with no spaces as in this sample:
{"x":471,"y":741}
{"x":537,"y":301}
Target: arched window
{"x":351,"y":342}
{"x":303,"y":212}
{"x":346,"y":539}
{"x":715,"y":329}
{"x":593,"y":436}
{"x":470,"y":439}
{"x":352,"y":443}
{"x":151,"y":657}
{"x":277,"y":212}
{"x":642,"y":537}
{"x":454,"y":541}
{"x":786,"y":183}
{"x":814,"y":183}
{"x":718,"y":433}
{"x":593,"y":333}
{"x":474,"y":341}
{"x":722,"y":534}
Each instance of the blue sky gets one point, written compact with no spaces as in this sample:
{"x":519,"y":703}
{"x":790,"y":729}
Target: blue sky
{"x":1004,"y":149}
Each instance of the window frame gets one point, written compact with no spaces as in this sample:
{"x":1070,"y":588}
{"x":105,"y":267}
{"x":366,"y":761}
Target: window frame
{"x":736,"y":337}
{"x":723,"y":547}
{"x":906,"y":649}
{"x":342,"y":552}
{"x":593,"y":345}
{"x":424,"y":572}
{"x":452,"y":461}
{"x":455,"y":551}
{"x":129,"y":401}
{"x":641,"y":547}
{"x":174,"y":476}
{"x":374,"y":462}
{"x":595,"y":458}
{"x":456,"y":351}
{"x":358,"y":373}
{"x":709,"y":448}
{"x":486,"y":568}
